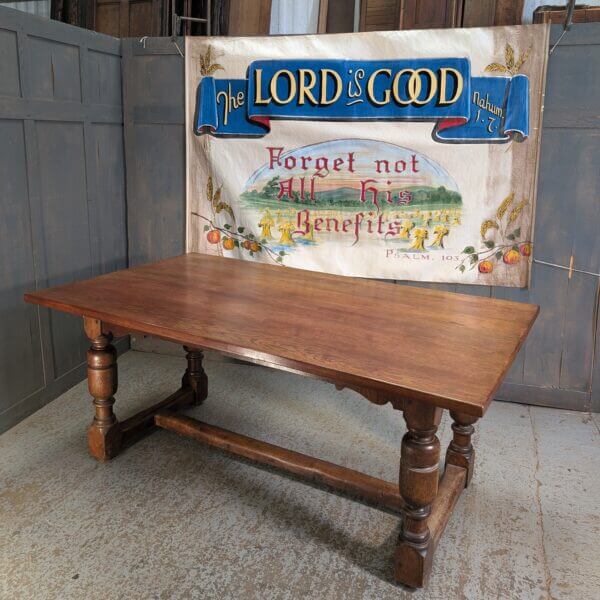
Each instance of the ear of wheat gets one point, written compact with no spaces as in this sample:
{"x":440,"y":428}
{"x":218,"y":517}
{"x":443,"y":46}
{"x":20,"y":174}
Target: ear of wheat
{"x":504,"y":206}
{"x":516,"y":211}
{"x":486,"y":225}
{"x":206,"y":67}
{"x":512,"y":66}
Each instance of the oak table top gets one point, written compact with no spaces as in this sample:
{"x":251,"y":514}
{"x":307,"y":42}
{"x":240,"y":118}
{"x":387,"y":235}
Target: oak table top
{"x":443,"y":348}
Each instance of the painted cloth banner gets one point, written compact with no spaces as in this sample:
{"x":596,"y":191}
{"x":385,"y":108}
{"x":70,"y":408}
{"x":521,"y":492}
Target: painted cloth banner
{"x":401,"y":155}
{"x":436,"y":89}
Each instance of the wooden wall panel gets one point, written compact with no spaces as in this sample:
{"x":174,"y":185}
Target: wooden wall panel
{"x":10,"y":84}
{"x":105,"y":86}
{"x":249,"y":17}
{"x":340,"y":16}
{"x":430,"y":14}
{"x":62,"y":196}
{"x":110,"y":210}
{"x":379,"y":15}
{"x":557,"y":14}
{"x":18,"y":322}
{"x":53,"y":70}
{"x":508,"y":12}
{"x":154,"y":117}
{"x":126,"y":18}
{"x":556,"y":365}
{"x":66,"y":236}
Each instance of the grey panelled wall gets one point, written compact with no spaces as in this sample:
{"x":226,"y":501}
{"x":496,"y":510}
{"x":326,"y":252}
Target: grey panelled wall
{"x":62,"y":195}
{"x":558,"y":362}
{"x":154,"y":130}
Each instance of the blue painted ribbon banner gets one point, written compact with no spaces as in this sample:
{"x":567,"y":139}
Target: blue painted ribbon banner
{"x":465,"y":109}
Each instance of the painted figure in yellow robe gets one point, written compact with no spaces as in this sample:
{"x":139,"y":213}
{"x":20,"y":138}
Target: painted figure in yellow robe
{"x":310,"y":236}
{"x":286,"y":229}
{"x":439,"y":232}
{"x":265,"y":224}
{"x":419,"y":237}
{"x":405,"y":226}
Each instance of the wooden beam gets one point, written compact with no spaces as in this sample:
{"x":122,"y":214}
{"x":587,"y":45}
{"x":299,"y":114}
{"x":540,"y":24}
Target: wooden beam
{"x":322,"y":22}
{"x":449,"y":490}
{"x":340,"y":478}
{"x":374,"y":490}
{"x":143,"y":422}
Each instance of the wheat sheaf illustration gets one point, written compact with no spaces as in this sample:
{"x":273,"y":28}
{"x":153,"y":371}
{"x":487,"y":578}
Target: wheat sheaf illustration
{"x":512,"y":66}
{"x":214,"y":197}
{"x":207,"y":67}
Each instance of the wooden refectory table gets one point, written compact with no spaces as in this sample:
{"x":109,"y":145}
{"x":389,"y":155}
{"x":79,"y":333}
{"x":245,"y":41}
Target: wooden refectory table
{"x":421,"y":350}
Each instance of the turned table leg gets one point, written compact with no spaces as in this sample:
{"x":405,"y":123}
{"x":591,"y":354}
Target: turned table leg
{"x":419,"y":474}
{"x":195,"y":376}
{"x":104,"y":434}
{"x":460,"y":451}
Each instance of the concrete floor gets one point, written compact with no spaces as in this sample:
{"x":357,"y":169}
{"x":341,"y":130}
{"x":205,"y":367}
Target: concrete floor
{"x":170,"y":518}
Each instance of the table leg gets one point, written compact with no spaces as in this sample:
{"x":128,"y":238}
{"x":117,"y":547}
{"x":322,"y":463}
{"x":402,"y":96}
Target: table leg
{"x":419,"y":475}
{"x":104,"y":434}
{"x":460,"y":451}
{"x":195,"y":376}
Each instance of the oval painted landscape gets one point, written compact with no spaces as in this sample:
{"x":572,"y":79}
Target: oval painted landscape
{"x":352,"y":191}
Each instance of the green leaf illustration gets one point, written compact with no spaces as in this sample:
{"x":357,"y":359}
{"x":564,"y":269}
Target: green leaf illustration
{"x":469,"y":250}
{"x":489,"y":244}
{"x":240,"y":229}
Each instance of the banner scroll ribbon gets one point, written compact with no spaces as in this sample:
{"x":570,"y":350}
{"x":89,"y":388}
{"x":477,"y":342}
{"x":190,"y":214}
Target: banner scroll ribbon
{"x":465,"y":109}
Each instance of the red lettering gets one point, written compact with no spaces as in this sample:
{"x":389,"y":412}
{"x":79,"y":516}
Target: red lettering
{"x":274,"y":155}
{"x":336,"y":224}
{"x":364,"y":189}
{"x":285,"y":188}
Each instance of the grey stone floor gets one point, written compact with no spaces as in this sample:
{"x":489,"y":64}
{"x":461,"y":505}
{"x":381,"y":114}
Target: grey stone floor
{"x":170,"y":518}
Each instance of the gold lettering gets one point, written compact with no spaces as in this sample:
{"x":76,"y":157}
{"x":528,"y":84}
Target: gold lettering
{"x":304,"y":89}
{"x":273,"y":87}
{"x":258,"y":99}
{"x":230,"y":102}
{"x":395,"y":84}
{"x":433,"y":84}
{"x":338,"y":87}
{"x":371,"y":84}
{"x":459,"y":85}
